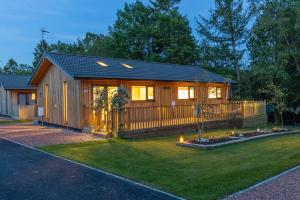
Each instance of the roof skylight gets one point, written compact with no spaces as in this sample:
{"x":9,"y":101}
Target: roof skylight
{"x":127,"y":66}
{"x":103,"y":64}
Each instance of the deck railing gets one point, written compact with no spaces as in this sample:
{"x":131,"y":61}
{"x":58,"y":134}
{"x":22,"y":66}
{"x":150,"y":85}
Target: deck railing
{"x":138,"y":118}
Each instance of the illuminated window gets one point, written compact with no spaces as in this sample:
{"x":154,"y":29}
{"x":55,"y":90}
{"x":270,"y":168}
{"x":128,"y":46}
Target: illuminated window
{"x":127,"y":66}
{"x":103,"y":64}
{"x":150,"y":93}
{"x":186,"y":92}
{"x":214,"y":93}
{"x":46,"y":100}
{"x":33,"y":96}
{"x":142,"y":93}
{"x":65,"y":99}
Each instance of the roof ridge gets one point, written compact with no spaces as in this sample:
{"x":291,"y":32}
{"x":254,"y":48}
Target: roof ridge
{"x":125,"y":59}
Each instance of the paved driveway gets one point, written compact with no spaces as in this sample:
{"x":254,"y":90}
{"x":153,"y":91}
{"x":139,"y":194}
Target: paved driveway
{"x":28,"y":174}
{"x":31,"y":135}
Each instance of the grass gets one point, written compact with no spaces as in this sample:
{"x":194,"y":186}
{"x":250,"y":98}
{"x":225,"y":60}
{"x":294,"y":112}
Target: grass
{"x":13,"y":121}
{"x":189,"y":173}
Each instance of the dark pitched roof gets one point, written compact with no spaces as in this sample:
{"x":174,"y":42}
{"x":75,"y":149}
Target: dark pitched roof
{"x":15,"y":82}
{"x":79,"y":66}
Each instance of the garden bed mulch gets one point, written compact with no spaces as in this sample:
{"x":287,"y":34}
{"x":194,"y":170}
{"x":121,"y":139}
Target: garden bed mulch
{"x":212,"y":143}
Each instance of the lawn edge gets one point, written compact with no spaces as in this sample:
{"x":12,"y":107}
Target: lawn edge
{"x":96,"y":169}
{"x":263,"y":182}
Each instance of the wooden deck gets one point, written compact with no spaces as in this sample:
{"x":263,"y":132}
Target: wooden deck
{"x":141,"y":118}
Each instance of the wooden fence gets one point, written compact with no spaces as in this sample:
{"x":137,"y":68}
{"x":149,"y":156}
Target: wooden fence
{"x":23,"y":112}
{"x":140,"y":118}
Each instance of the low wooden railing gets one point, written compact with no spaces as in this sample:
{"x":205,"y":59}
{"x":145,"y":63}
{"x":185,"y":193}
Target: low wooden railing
{"x":138,"y":118}
{"x":149,"y":117}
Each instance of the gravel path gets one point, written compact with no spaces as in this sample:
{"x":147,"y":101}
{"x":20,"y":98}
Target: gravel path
{"x":283,"y":187}
{"x":31,"y":135}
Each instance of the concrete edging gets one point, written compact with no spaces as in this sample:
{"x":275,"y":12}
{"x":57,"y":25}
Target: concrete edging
{"x":213,"y":146}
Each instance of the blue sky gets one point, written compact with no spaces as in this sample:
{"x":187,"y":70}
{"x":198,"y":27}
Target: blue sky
{"x":66,"y":20}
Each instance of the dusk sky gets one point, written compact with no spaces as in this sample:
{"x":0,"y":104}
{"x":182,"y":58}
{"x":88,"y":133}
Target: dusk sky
{"x":66,"y":20}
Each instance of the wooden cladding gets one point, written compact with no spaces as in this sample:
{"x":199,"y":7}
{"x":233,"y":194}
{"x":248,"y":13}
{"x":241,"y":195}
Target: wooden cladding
{"x":65,"y":101}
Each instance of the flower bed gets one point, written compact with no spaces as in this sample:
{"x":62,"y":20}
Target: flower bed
{"x":211,"y":143}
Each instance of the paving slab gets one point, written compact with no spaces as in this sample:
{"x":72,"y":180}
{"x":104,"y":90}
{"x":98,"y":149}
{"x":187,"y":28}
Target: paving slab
{"x":35,"y":135}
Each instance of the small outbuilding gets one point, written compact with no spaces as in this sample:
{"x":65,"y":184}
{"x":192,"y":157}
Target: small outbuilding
{"x":17,"y":99}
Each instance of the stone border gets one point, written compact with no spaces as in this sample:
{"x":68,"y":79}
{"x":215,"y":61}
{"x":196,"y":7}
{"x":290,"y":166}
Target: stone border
{"x":213,"y":146}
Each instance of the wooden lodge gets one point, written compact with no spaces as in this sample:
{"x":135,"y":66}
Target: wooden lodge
{"x":17,"y":100}
{"x":161,"y":95}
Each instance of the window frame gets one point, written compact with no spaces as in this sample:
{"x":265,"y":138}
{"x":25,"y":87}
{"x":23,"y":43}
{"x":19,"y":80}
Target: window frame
{"x":216,"y":92}
{"x":189,"y":94}
{"x":147,"y":99}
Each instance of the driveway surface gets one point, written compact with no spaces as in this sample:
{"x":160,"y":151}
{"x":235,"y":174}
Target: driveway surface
{"x":30,"y":135}
{"x":28,"y":174}
{"x":285,"y":186}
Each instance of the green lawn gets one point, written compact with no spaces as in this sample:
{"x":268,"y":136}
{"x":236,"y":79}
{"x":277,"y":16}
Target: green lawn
{"x":189,"y":173}
{"x":13,"y":122}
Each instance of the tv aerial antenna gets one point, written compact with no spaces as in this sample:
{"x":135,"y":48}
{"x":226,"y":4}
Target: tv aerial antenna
{"x":43,"y":32}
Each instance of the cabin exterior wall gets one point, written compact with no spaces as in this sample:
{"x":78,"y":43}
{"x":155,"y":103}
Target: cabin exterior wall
{"x":55,"y":78}
{"x":165,"y":92}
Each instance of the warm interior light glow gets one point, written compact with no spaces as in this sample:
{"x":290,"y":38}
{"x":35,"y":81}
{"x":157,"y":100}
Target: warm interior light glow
{"x":103,"y":64}
{"x":181,"y":139}
{"x":127,"y":66}
{"x":192,"y":92}
{"x":186,"y":92}
{"x":214,"y":93}
{"x":33,"y":96}
{"x":150,"y":93}
{"x":139,"y":93}
{"x":142,"y":93}
{"x":183,"y":92}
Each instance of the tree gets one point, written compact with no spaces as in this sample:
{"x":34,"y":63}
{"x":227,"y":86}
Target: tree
{"x":157,"y":32}
{"x":10,"y":67}
{"x":223,"y":35}
{"x":172,"y":36}
{"x":38,"y":52}
{"x":274,"y":48}
{"x":277,"y":97}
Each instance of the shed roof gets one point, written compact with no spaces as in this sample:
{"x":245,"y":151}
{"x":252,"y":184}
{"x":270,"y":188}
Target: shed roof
{"x":15,"y":82}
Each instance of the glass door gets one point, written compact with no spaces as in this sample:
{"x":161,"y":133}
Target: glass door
{"x":102,"y":115}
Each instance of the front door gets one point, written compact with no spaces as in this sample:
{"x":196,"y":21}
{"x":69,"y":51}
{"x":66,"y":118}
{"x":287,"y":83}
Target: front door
{"x":166,"y":96}
{"x":103,"y":115}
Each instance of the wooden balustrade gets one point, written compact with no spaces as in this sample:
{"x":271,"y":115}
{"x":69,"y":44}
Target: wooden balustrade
{"x":138,"y":118}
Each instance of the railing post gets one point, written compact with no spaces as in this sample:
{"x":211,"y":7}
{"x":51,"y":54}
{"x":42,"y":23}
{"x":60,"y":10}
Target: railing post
{"x":128,"y":119}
